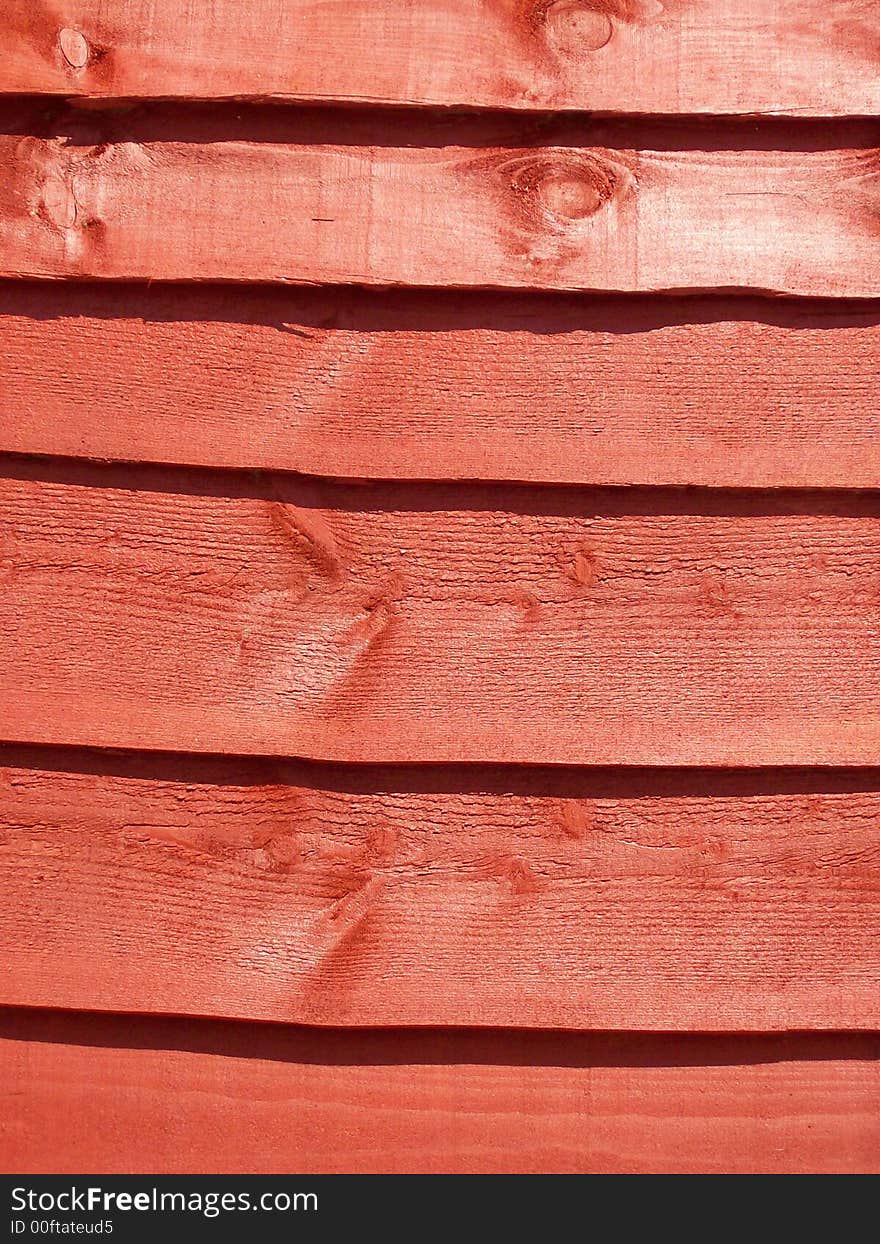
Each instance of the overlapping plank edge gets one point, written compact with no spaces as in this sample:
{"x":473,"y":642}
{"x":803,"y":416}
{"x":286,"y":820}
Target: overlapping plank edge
{"x":505,"y":1102}
{"x":160,"y":608}
{"x":367,"y":384}
{"x":106,"y":1093}
{"x":411,"y":896}
{"x":333,"y":208}
{"x":725,"y":56}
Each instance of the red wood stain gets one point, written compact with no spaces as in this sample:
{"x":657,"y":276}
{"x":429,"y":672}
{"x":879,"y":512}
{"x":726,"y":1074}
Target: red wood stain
{"x":444,"y":385}
{"x":644,"y":56}
{"x":263,"y":1098}
{"x":440,"y":895}
{"x":438,"y":668}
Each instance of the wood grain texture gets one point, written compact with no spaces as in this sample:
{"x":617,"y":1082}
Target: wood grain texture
{"x":748,"y":56}
{"x":162,"y":609}
{"x":723,"y":392}
{"x":538,"y":217}
{"x":576,"y":900}
{"x":118,"y":1095}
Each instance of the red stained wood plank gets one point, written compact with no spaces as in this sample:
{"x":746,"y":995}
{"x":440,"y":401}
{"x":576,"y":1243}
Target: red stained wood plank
{"x":747,"y":56}
{"x":117,"y":1095}
{"x":162,"y":609}
{"x":372,"y":897}
{"x":539,"y":217}
{"x":725,"y":392}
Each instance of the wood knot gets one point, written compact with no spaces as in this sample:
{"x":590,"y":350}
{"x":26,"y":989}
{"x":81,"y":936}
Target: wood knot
{"x":572,"y":27}
{"x":528,"y":602}
{"x":562,"y":188}
{"x":576,"y":820}
{"x":345,"y":918}
{"x":584,"y":568}
{"x":74,"y":48}
{"x":282,"y":853}
{"x":310,"y":534}
{"x":572,"y":30}
{"x":58,"y":203}
{"x":378,"y":613}
{"x":381,"y":842}
{"x":519,"y":875}
{"x":716,"y":597}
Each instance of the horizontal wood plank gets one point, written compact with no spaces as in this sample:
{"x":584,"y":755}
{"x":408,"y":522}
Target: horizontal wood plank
{"x":101,"y":1093}
{"x":539,"y":217}
{"x":164,"y":609}
{"x":723,"y":392}
{"x":315,"y":895}
{"x":745,"y":56}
